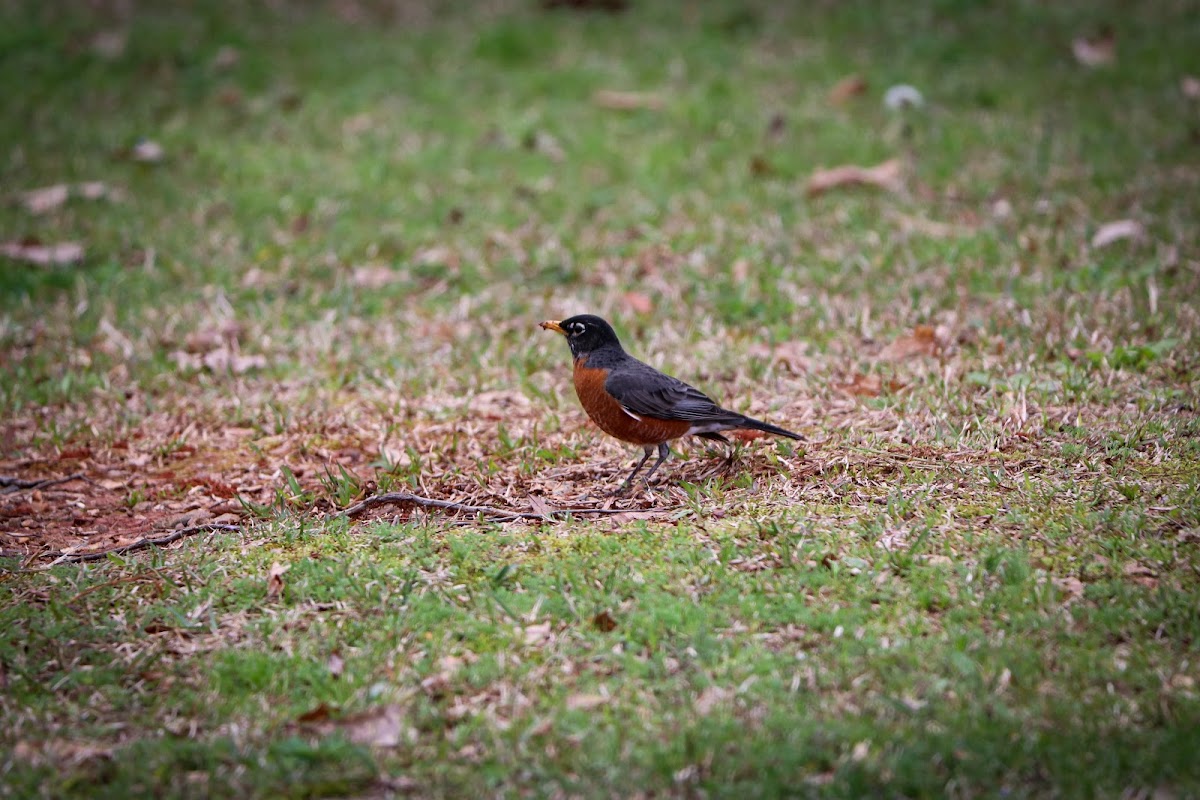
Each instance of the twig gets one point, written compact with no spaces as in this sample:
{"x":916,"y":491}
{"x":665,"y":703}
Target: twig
{"x":400,"y":498}
{"x":174,"y":536}
{"x":16,"y":484}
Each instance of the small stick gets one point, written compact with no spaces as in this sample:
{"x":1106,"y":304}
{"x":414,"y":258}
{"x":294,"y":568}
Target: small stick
{"x":400,"y":498}
{"x":174,"y":536}
{"x":16,"y":484}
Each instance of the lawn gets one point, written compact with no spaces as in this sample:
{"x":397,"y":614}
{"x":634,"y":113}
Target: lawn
{"x":302,"y":250}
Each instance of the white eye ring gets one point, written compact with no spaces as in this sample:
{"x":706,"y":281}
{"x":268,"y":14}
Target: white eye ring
{"x":578,"y":328}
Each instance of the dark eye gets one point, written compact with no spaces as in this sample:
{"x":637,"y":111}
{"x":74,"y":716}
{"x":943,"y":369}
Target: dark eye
{"x":578,"y":327}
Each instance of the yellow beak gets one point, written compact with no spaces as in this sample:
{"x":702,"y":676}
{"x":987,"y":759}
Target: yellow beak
{"x":552,"y":325}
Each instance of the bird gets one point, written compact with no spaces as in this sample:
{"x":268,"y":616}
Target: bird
{"x":634,"y":402}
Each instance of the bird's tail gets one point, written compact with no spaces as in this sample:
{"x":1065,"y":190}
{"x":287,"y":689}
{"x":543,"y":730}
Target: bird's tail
{"x":766,"y":427}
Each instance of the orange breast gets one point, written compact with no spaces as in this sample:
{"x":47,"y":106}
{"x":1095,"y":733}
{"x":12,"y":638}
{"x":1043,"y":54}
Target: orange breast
{"x":612,"y":419}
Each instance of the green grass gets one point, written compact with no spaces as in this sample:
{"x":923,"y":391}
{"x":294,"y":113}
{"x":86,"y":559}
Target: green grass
{"x":979,"y":580}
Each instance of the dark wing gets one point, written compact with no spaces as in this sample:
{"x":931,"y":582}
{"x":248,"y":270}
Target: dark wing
{"x":644,"y":391}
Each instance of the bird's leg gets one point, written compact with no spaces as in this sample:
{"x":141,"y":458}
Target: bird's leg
{"x":637,"y":467}
{"x":663,"y":452}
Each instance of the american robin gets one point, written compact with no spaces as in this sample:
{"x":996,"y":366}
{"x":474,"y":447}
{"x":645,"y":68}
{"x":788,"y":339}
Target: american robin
{"x":635,"y":402}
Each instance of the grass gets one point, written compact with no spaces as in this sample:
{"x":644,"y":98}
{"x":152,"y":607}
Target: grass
{"x":979,"y":578}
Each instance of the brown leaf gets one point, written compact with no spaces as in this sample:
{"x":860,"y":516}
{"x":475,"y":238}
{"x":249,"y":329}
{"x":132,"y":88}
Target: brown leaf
{"x":791,"y":355}
{"x":336,"y":665}
{"x":1112,"y":232}
{"x":585,"y":702}
{"x":380,"y":727}
{"x":275,"y":579}
{"x":318,"y":714}
{"x":540,"y":507}
{"x":1095,"y":51}
{"x":1134,"y":569}
{"x":847,"y":88}
{"x":48,"y":198}
{"x":375,"y":276}
{"x":536,"y":634}
{"x":358,"y":124}
{"x":745,"y":434}
{"x":1071,"y":587}
{"x":546,"y":144}
{"x":148,"y":151}
{"x":776,"y":126}
{"x":627,"y":101}
{"x":638,"y":303}
{"x":62,"y":751}
{"x":923,"y":341}
{"x":110,"y":44}
{"x":222,"y":359}
{"x":43,"y":255}
{"x":760,"y":167}
{"x":604,"y":622}
{"x":709,"y":699}
{"x":887,"y":175}
{"x":226,"y":57}
{"x":862,"y":385}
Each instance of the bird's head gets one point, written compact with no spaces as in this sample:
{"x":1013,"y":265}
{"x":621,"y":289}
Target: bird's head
{"x":585,"y":333}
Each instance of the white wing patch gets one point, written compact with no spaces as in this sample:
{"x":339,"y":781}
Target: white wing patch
{"x":630,"y":413}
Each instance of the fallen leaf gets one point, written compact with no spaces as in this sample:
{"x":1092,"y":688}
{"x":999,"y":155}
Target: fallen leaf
{"x":358,"y":124}
{"x":540,"y":507}
{"x":318,"y":714}
{"x":638,"y":303}
{"x":887,"y":175}
{"x":110,"y":44}
{"x":929,"y":227}
{"x":1095,"y":51}
{"x":790,"y":355}
{"x":745,"y":435}
{"x":148,"y":151}
{"x":604,"y":622}
{"x":776,"y":126}
{"x":893,"y":539}
{"x":537,"y":633}
{"x":1112,"y":232}
{"x":709,"y":699}
{"x":585,"y":702}
{"x":1071,"y":587}
{"x":381,"y":727}
{"x":222,"y":359}
{"x":226,"y":57}
{"x":498,"y":405}
{"x":925,"y":340}
{"x":545,"y":143}
{"x":62,"y":751}
{"x":760,"y":167}
{"x":275,"y":579}
{"x":336,"y":665}
{"x":48,"y":198}
{"x":1133,"y":569}
{"x":627,"y":101}
{"x":1190,"y":86}
{"x":848,"y":87}
{"x":43,"y":255}
{"x":375,"y":276}
{"x":903,"y":96}
{"x":862,"y":385}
